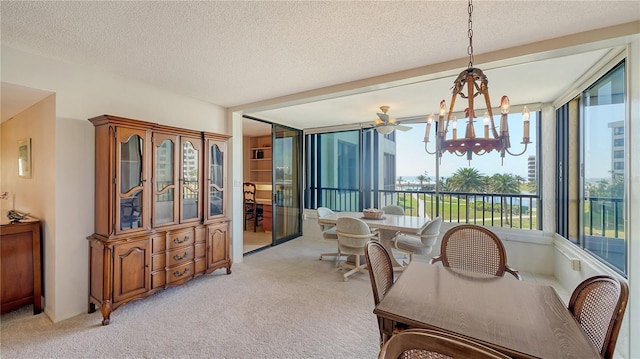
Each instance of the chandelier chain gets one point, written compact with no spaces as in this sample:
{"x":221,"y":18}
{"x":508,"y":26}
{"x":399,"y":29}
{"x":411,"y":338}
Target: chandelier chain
{"x":470,"y":33}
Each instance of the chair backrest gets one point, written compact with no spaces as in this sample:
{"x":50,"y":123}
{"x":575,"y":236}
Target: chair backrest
{"x":422,"y":343}
{"x":430,"y":231}
{"x":249,"y":192}
{"x":392,"y":209}
{"x":598,"y":304}
{"x":352,"y":232}
{"x":473,"y":248}
{"x":328,"y":231}
{"x":323,"y":212}
{"x":380,"y":269}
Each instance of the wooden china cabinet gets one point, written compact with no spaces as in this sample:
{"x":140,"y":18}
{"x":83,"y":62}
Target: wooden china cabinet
{"x":160,"y":210}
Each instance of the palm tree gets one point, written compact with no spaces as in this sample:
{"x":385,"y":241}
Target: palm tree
{"x":400,"y":179}
{"x":466,"y":180}
{"x":503,"y":184}
{"x":532,"y":187}
{"x":421,"y":179}
{"x":520,"y":180}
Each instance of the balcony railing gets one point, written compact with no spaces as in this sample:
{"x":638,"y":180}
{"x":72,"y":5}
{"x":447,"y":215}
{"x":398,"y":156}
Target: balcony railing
{"x":604,"y":232}
{"x":488,"y":209}
{"x":603,"y":216}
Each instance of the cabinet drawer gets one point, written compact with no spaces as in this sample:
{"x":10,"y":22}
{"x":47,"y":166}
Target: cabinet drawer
{"x":201,"y":234}
{"x":201,"y":265}
{"x":200,"y":250}
{"x":158,"y":261}
{"x":158,"y":279}
{"x":180,"y":256}
{"x":179,"y":273}
{"x":181,"y":238}
{"x":159,"y":243}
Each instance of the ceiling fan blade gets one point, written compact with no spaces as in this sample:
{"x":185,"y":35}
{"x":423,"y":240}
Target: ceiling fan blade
{"x":403,"y":128}
{"x":383,"y":116}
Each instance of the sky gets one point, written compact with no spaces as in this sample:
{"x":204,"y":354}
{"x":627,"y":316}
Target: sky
{"x":412,"y":160}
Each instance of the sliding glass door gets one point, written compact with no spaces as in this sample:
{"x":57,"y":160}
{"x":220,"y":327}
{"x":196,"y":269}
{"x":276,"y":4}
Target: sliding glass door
{"x":287,"y":183}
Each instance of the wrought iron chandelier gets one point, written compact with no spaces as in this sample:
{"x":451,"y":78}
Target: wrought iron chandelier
{"x":476,"y":83}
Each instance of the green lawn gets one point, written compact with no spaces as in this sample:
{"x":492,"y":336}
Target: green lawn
{"x":452,"y":210}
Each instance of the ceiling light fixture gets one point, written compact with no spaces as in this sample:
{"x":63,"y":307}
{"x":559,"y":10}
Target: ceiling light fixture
{"x":385,"y":124}
{"x":476,"y":83}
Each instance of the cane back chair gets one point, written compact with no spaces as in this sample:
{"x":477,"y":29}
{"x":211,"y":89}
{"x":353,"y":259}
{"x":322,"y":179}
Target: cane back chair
{"x":598,"y":304}
{"x":430,"y":344}
{"x":476,"y":249}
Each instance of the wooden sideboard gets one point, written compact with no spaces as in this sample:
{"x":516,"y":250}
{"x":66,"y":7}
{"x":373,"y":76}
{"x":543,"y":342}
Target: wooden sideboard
{"x":20,"y":264}
{"x":160,"y":216}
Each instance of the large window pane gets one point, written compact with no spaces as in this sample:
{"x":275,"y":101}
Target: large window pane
{"x":604,"y":157}
{"x":333,"y":179}
{"x":487,"y":190}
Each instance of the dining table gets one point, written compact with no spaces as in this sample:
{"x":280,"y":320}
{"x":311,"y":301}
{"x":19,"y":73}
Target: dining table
{"x":518,"y":318}
{"x":388,"y":225}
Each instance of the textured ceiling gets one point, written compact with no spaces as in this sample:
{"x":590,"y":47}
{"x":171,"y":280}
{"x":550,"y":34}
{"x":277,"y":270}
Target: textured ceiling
{"x":232,"y":53}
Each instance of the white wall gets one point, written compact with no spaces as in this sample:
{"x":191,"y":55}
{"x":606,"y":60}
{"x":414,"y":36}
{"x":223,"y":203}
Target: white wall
{"x":633,"y":216}
{"x":35,"y":195}
{"x":83,"y":93}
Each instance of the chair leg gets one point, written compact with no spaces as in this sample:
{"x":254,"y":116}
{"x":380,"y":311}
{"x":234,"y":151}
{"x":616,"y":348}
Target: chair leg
{"x":337,"y":256}
{"x":328,"y":255}
{"x":357,"y":268}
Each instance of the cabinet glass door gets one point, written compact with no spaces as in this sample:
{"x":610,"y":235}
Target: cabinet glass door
{"x":165,"y":204}
{"x":190,"y":190}
{"x":130,"y":180}
{"x":215,"y":180}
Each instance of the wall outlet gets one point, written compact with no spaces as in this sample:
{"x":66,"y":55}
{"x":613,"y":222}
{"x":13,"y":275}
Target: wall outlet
{"x":575,"y":265}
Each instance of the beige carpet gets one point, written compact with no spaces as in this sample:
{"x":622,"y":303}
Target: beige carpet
{"x":280,"y":303}
{"x":255,"y":240}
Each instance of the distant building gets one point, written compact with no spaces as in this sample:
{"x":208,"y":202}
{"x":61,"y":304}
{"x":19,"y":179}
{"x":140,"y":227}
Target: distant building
{"x":617,"y":147}
{"x":531,"y":168}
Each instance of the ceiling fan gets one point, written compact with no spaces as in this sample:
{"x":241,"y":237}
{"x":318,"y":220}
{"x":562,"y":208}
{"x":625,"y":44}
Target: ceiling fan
{"x":385,"y":125}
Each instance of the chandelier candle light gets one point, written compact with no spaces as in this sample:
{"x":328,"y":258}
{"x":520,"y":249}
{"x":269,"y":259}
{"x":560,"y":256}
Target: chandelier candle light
{"x":476,"y":83}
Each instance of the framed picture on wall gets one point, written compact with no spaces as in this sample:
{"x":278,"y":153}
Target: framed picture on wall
{"x":24,"y":158}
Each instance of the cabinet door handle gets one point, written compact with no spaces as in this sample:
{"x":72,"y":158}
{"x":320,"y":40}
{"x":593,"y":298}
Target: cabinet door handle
{"x":178,"y":241}
{"x":177,"y":257}
{"x":178,"y":274}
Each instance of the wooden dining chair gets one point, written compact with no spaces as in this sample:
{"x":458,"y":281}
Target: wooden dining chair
{"x":476,"y":249}
{"x":430,"y":344}
{"x":252,"y":212}
{"x":381,"y":275}
{"x":598,"y":304}
{"x":353,"y":235}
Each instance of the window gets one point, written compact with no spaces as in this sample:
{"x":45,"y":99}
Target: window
{"x":347,"y":165}
{"x":333,"y":170}
{"x":356,"y":169}
{"x":487,"y":190}
{"x":591,"y":164}
{"x":389,"y":168}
